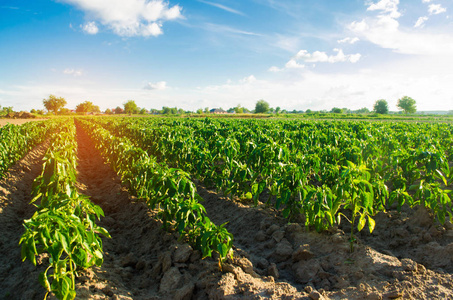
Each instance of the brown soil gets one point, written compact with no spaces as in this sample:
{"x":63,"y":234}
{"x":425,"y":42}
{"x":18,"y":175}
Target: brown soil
{"x":405,"y":257}
{"x":3,"y":122}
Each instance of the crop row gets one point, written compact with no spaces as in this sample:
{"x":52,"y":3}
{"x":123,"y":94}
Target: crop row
{"x":16,"y":141}
{"x":169,"y":190}
{"x":324,"y":171}
{"x":63,"y":225}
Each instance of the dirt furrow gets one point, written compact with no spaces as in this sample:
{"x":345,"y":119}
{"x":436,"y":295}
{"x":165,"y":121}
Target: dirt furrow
{"x":18,"y":280}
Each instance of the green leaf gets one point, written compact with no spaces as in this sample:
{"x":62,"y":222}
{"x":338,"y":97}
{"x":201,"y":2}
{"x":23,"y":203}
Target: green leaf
{"x":371,"y":224}
{"x":362,"y":222}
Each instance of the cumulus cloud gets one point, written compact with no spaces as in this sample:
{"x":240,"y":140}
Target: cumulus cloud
{"x":349,"y":40}
{"x":319,"y":56}
{"x":90,"y":28}
{"x":387,"y":7}
{"x":435,"y":9}
{"x":129,"y":17}
{"x":421,"y":22}
{"x":384,"y":30}
{"x":73,"y":72}
{"x":161,"y":85}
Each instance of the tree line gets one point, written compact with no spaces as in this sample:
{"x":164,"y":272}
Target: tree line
{"x":56,"y":105}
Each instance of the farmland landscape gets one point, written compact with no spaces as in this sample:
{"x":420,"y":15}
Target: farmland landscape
{"x":225,"y":149}
{"x":286,"y":190}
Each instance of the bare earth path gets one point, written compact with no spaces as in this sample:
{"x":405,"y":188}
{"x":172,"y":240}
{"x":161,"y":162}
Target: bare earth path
{"x":18,"y":280}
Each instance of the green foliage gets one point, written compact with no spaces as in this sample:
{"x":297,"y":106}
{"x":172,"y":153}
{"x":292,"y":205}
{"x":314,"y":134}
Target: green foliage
{"x":407,"y":104}
{"x":16,"y":141}
{"x":64,"y":222}
{"x":381,"y":107}
{"x":261,"y":107}
{"x":168,"y":189}
{"x":130,"y":107}
{"x":54,"y":103}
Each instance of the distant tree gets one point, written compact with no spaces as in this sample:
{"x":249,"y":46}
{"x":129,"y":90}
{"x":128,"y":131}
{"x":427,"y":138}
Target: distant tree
{"x":277,"y":109}
{"x":239,"y":109}
{"x":450,"y":112}
{"x":54,"y":104}
{"x":118,"y":110}
{"x":336,"y":110}
{"x":199,"y":111}
{"x":40,"y":112}
{"x":85,"y":107}
{"x":33,"y":111}
{"x":64,"y":111}
{"x":206,"y":110}
{"x":363,"y":110}
{"x":181,"y":111}
{"x":261,"y":107}
{"x":130,"y":107}
{"x":308,"y":111}
{"x":381,"y":107}
{"x":108,"y":111}
{"x":407,"y":104}
{"x":169,"y":110}
{"x":143,"y":111}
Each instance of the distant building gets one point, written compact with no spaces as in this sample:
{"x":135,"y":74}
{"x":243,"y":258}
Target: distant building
{"x":217,"y":111}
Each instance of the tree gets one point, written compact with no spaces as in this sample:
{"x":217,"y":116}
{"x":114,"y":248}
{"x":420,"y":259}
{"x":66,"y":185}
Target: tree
{"x":362,"y":110}
{"x":108,"y":111}
{"x":118,"y":110}
{"x":407,"y":104}
{"x":261,"y":107}
{"x":85,"y":107}
{"x":130,"y":107}
{"x":199,"y":111}
{"x":381,"y":107}
{"x":54,"y":104}
{"x":277,"y":109}
{"x":143,"y":111}
{"x":336,"y":110}
{"x":33,"y":111}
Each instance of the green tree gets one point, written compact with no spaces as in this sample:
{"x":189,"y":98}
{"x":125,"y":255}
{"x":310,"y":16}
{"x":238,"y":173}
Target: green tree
{"x":336,"y":110}
{"x":261,"y":107}
{"x":108,"y":111}
{"x":199,"y":111}
{"x":130,"y":107}
{"x":277,"y":109}
{"x":407,"y":104}
{"x":118,"y":110}
{"x":143,"y":111}
{"x":85,"y":107}
{"x":54,"y":104}
{"x":363,"y":110}
{"x":381,"y":107}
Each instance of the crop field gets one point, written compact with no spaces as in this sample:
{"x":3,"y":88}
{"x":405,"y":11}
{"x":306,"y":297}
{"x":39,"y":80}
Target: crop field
{"x":216,"y":208}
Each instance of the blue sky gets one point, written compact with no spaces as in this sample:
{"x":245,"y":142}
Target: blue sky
{"x":296,"y":54}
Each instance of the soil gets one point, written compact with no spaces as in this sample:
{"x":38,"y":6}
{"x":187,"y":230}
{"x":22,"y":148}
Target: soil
{"x":3,"y":122}
{"x":408,"y":256}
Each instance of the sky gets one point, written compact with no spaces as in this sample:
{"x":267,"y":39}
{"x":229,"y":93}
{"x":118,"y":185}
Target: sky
{"x":294,"y":54}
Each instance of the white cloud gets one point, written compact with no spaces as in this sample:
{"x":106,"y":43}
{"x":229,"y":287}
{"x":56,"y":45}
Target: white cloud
{"x":75,"y":73}
{"x":421,"y":22}
{"x":90,"y":28}
{"x":435,"y":9}
{"x":223,"y":7}
{"x":426,"y":1}
{"x":385,"y":31}
{"x":293,"y":64}
{"x":161,"y":85}
{"x":129,"y":17}
{"x":248,"y":79}
{"x":386,"y":6}
{"x":349,"y":40}
{"x":319,"y":56}
{"x":275,"y":69}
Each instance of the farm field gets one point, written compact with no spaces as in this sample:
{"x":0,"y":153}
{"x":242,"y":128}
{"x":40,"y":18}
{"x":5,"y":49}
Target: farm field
{"x":281,"y":186}
{"x":3,"y":122}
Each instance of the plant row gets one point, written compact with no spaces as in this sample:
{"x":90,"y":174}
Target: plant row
{"x":169,"y":190}
{"x":63,"y":225}
{"x":16,"y":141}
{"x":324,"y":171}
